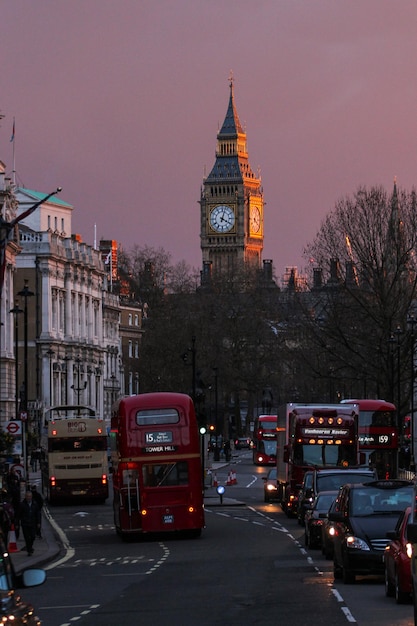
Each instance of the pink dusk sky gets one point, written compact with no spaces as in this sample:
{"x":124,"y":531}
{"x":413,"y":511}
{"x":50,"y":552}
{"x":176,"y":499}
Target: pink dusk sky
{"x":119,"y":102}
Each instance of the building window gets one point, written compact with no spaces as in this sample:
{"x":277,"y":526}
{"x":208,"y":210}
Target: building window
{"x":136,"y":320}
{"x":130,"y":349}
{"x":54,"y":306}
{"x":130,"y":319}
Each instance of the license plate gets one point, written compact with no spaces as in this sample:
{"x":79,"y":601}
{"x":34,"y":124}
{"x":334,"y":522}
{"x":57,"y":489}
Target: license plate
{"x":168,"y":519}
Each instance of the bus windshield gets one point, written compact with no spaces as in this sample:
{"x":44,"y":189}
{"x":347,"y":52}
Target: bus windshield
{"x":377,"y":418}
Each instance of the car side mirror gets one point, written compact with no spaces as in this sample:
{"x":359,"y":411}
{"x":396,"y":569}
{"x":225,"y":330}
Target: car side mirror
{"x":336,"y":516}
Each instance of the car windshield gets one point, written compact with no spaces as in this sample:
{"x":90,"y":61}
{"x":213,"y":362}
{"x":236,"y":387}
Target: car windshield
{"x":324,"y":501}
{"x":330,"y":482}
{"x":374,"y":500}
{"x":272,"y":474}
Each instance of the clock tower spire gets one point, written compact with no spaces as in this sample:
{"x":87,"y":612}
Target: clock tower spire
{"x":231,"y":202}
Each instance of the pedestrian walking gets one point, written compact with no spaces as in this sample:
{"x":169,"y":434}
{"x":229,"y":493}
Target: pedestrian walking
{"x":30,"y":517}
{"x":36,"y":496}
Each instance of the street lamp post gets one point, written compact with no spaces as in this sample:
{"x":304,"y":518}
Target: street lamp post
{"x":216,"y":414}
{"x":16,"y":310}
{"x":412,"y":321}
{"x":78,"y":389}
{"x":25,"y":293}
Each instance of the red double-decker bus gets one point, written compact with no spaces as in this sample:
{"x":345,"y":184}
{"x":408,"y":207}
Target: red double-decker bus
{"x":265,"y":440}
{"x":157,"y":470}
{"x":378,"y":435}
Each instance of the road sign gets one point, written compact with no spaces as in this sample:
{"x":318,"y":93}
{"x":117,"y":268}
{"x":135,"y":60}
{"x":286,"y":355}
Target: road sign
{"x":23,"y":416}
{"x":19,"y":469}
{"x":14,"y":427}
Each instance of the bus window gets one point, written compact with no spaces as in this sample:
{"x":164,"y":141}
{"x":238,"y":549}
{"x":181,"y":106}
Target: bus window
{"x":165,"y":474}
{"x":151,"y":417}
{"x":130,"y":476}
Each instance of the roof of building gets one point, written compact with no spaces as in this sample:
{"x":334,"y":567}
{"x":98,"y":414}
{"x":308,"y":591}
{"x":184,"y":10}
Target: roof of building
{"x":37,"y":195}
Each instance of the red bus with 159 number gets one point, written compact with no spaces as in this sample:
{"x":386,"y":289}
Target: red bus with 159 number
{"x":378,"y":435}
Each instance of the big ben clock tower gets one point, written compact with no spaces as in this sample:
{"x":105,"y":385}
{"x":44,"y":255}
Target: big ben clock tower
{"x":232,"y":206}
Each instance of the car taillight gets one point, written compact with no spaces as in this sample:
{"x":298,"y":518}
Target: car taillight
{"x":104,"y":479}
{"x":52,"y":481}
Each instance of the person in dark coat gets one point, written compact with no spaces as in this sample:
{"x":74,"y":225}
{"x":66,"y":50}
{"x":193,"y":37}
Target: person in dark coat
{"x":36,"y":496}
{"x":30,"y":520}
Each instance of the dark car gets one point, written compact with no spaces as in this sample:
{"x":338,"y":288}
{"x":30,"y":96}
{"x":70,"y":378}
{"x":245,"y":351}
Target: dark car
{"x":328,"y":531}
{"x":12,"y":608}
{"x":242,"y":442}
{"x":367,"y":512}
{"x":270,"y":485}
{"x":397,"y":559}
{"x":329,"y":480}
{"x":314,"y":518}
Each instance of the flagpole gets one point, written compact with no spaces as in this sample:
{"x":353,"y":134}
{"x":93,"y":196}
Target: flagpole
{"x":111,"y":271}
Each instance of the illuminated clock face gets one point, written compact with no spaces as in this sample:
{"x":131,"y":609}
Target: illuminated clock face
{"x":255,"y":219}
{"x":222,"y":218}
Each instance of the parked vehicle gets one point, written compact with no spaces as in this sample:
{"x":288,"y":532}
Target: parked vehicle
{"x":270,"y":485}
{"x":315,"y":516}
{"x":311,"y":436}
{"x":366,"y":513}
{"x":319,"y":480}
{"x":397,"y":559}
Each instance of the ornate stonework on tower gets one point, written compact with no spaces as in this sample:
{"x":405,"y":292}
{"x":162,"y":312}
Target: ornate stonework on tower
{"x":232,"y":206}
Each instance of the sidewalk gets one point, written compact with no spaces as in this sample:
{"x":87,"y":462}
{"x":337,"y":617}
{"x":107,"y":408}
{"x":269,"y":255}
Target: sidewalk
{"x":45,"y":549}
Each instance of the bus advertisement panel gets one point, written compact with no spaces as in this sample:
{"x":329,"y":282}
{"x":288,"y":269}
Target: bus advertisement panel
{"x":74,"y":461}
{"x":378,"y":435}
{"x":265,"y":440}
{"x":157,"y":469}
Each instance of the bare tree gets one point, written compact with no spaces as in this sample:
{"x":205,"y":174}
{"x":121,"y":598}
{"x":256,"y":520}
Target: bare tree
{"x":366,"y":248}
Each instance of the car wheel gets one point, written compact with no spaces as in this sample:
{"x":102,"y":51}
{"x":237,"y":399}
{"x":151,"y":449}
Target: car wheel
{"x":400,"y":596}
{"x":389,"y":587}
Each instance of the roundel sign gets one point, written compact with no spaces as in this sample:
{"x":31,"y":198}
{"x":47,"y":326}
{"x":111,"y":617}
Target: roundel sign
{"x":14,"y":427}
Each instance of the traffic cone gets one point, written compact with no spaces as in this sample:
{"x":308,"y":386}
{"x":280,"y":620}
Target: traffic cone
{"x":229,"y":479}
{"x":215,"y":483}
{"x":12,"y":547}
{"x":234,"y":478}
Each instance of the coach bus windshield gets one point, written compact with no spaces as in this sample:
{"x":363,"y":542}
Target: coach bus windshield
{"x":72,"y":444}
{"x":325,"y":455}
